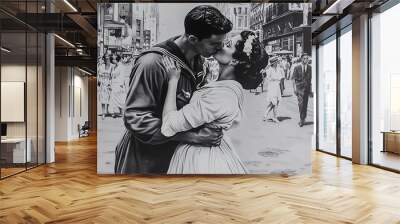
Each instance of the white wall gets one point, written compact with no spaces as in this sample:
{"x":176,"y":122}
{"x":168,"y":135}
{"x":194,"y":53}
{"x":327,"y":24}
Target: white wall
{"x":61,"y":103}
{"x":79,"y":117}
{"x":13,"y":72}
{"x":70,"y":83}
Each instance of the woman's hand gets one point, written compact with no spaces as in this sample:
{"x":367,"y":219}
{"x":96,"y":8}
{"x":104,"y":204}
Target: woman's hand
{"x":172,"y":68}
{"x":174,"y":72}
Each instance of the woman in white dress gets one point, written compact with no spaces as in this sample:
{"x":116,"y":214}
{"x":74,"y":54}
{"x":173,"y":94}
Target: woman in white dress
{"x":117,"y":99}
{"x":119,"y":84}
{"x":273,"y":79}
{"x":104,"y":83}
{"x":217,"y":104}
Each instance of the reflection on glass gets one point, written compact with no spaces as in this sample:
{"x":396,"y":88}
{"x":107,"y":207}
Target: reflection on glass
{"x":385,"y":84}
{"x":346,"y":94}
{"x":327,"y":95}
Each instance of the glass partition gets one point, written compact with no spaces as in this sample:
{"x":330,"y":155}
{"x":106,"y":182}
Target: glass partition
{"x":22,"y":78}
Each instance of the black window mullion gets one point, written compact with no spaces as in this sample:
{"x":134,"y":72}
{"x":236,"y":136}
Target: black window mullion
{"x":37,"y":89}
{"x":45,"y":90}
{"x":338,"y":94}
{"x":317,"y":97}
{"x":1,"y":165}
{"x":369,"y":100}
{"x":26,"y":86}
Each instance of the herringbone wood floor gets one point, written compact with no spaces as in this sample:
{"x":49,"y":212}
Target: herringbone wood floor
{"x":70,"y":191}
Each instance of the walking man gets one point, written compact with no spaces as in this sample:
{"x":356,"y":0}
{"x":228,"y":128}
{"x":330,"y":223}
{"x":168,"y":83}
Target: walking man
{"x":302,"y":79}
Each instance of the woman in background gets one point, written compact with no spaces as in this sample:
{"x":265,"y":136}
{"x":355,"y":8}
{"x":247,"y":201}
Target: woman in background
{"x":104,"y":83}
{"x":274,"y":75}
{"x":117,"y":99}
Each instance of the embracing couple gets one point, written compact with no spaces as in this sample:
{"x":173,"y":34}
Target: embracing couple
{"x":175,"y":122}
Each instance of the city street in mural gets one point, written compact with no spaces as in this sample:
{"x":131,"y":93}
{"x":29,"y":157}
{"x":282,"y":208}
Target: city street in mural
{"x":213,"y":88}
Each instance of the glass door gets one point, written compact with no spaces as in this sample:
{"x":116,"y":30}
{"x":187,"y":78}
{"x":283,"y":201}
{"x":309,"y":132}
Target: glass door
{"x":385,"y":89}
{"x":327,"y":95}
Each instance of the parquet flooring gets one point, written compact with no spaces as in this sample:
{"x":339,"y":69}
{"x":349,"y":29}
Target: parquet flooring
{"x":10,"y":171}
{"x":70,"y":191}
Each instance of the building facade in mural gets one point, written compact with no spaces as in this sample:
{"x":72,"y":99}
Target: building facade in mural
{"x":283,"y":27}
{"x":238,"y":14}
{"x":257,"y":18}
{"x":127,"y":28}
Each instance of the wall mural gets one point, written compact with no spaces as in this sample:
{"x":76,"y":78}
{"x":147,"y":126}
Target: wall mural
{"x":212,"y":88}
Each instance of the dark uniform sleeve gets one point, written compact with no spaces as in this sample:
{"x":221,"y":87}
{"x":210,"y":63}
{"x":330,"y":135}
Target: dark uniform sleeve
{"x":143,"y":107}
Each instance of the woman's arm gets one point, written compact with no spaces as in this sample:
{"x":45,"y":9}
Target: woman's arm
{"x":204,"y":136}
{"x":170,"y":100}
{"x":113,"y":73}
{"x":174,"y":73}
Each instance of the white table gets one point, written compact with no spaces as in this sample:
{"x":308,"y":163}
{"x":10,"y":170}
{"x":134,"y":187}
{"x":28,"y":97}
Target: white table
{"x":17,"y":147}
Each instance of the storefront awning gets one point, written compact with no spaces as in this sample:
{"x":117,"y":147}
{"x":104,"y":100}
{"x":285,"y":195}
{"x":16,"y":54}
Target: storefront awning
{"x":112,"y":24}
{"x":283,"y":52}
{"x":292,"y":32}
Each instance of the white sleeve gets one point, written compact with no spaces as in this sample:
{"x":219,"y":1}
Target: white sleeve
{"x":208,"y":108}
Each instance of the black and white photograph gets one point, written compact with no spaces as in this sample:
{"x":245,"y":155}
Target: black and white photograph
{"x":204,"y":88}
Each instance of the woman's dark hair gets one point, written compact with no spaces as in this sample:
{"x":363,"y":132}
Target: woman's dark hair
{"x":204,"y":21}
{"x":117,"y":58}
{"x":104,"y":57}
{"x":248,"y":69}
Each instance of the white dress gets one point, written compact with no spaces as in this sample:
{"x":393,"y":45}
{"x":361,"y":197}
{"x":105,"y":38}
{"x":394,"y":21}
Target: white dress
{"x":273,"y":78}
{"x":104,"y":79}
{"x":217,"y":104}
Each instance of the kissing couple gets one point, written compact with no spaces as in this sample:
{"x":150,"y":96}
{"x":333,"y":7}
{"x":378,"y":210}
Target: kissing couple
{"x":175,"y":122}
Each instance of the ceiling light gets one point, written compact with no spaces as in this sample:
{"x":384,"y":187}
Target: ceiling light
{"x":84,"y":71}
{"x":331,"y":7}
{"x":70,"y":5}
{"x":65,"y":41}
{"x":5,"y":50}
{"x":334,"y":8}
